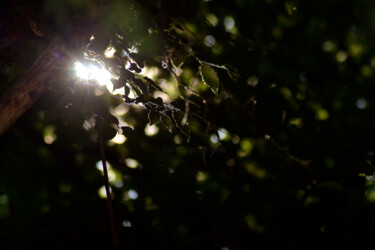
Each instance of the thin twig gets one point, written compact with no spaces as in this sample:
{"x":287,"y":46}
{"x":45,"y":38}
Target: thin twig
{"x":106,"y":182}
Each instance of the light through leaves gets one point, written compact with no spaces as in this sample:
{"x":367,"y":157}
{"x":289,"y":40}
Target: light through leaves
{"x":94,"y":74}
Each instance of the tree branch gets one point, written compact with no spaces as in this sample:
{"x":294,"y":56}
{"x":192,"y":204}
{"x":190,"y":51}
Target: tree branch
{"x":106,"y":182}
{"x":32,"y":85}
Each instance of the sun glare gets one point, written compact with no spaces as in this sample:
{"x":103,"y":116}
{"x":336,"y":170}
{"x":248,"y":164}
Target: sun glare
{"x":94,"y":73}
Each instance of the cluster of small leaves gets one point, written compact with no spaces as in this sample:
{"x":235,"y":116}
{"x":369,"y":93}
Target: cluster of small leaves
{"x":168,"y":114}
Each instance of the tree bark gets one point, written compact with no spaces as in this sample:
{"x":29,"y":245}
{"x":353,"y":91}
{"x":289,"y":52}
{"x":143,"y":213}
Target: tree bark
{"x":31,"y":85}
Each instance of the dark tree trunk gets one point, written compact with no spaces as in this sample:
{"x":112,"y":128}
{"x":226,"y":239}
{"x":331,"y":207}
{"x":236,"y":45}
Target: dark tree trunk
{"x":31,"y":85}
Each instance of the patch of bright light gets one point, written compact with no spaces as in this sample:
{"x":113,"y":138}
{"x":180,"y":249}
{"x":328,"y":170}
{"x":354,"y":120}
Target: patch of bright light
{"x":130,"y":195}
{"x":126,"y":223}
{"x":162,"y":95}
{"x":114,"y":176}
{"x":121,"y":109}
{"x":111,"y":173}
{"x":49,"y":134}
{"x":109,"y":53}
{"x":341,"y":56}
{"x":81,"y":71}
{"x":329,"y":46}
{"x":99,"y":165}
{"x":223,"y":134}
{"x":322,"y":114}
{"x":201,"y":176}
{"x":120,"y":91}
{"x":228,"y":23}
{"x":214,"y":139}
{"x":94,"y":73}
{"x":131,"y":163}
{"x":246,"y":147}
{"x":151,"y":130}
{"x":361,"y":103}
{"x":109,"y":86}
{"x":252,"y":81}
{"x":101,"y":192}
{"x":150,"y":72}
{"x":212,"y":19}
{"x":177,"y":139}
{"x":119,"y":139}
{"x":209,"y":41}
{"x":89,"y":124}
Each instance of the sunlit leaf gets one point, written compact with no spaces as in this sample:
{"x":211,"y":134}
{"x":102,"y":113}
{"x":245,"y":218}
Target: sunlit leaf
{"x":167,"y":122}
{"x":153,"y":117}
{"x":141,"y":85}
{"x":153,"y":84}
{"x":135,"y":88}
{"x":209,"y":77}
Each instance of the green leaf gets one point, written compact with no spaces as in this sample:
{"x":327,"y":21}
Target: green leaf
{"x":153,"y":84}
{"x":167,"y":122}
{"x":141,"y":85}
{"x":209,"y":77}
{"x":153,"y":117}
{"x":179,"y":117}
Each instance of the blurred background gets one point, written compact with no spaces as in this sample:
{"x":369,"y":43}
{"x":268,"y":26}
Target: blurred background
{"x":280,"y":148}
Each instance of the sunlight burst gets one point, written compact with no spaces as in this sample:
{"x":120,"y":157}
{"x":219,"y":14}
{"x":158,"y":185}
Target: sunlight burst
{"x":94,"y":73}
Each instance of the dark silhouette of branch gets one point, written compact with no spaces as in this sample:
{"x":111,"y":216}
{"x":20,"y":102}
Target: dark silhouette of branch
{"x":106,"y":182}
{"x":32,"y":84}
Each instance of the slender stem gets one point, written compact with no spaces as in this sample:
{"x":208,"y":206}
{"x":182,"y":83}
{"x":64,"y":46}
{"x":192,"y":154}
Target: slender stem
{"x":106,"y":182}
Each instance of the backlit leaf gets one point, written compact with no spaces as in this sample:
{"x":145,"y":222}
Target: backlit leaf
{"x":153,"y":117}
{"x":167,"y":122}
{"x":209,"y":77}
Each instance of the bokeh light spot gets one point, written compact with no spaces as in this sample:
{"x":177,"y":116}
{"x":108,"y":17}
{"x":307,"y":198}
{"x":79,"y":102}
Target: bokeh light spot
{"x":209,"y":41}
{"x":321,"y":114}
{"x":49,"y":134}
{"x":361,"y":103}
{"x":131,"y":163}
{"x":341,"y":56}
{"x":151,"y":130}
